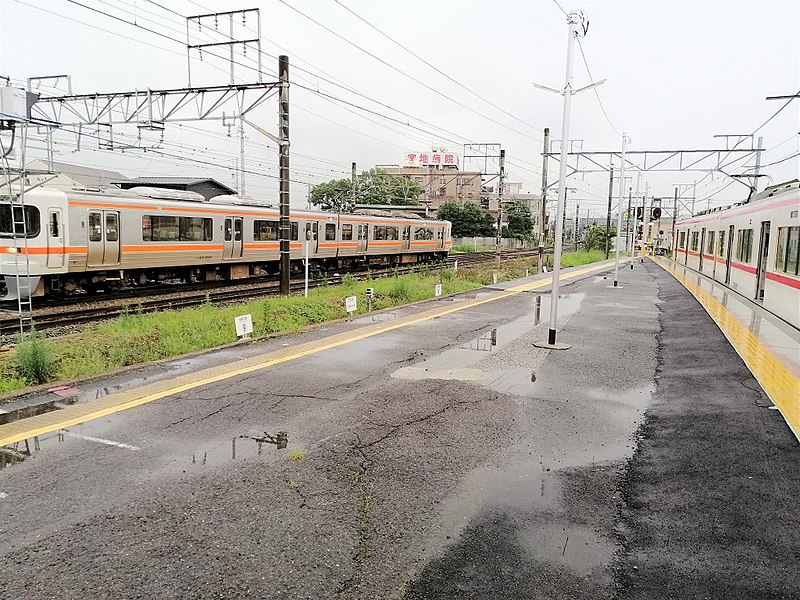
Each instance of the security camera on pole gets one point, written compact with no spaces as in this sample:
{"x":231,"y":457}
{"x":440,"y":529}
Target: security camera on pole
{"x":578,"y":25}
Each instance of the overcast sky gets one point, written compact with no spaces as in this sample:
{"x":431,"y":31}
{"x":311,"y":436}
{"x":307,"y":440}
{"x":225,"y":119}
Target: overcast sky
{"x":677,"y":74}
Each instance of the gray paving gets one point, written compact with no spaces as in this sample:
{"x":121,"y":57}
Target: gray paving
{"x":423,"y":463}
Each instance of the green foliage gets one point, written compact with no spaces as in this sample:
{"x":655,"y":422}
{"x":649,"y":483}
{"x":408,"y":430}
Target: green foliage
{"x":468,"y":220}
{"x":520,"y":223}
{"x":596,"y":237}
{"x":401,"y":291}
{"x":35,"y":357}
{"x":349,"y":281}
{"x":335,"y":195}
{"x":372,"y":187}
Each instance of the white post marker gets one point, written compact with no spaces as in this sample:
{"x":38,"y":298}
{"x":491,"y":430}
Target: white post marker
{"x":305,"y":288}
{"x":437,"y":290}
{"x":244,"y":326}
{"x":619,"y":208}
{"x":574,"y":20}
{"x":351,"y":304}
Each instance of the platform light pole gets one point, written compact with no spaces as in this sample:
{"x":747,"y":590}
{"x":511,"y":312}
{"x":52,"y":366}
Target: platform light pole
{"x":619,"y":208}
{"x":578,"y":25}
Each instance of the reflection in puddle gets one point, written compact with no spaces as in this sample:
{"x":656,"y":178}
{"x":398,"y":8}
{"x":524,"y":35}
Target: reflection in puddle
{"x":578,"y":548}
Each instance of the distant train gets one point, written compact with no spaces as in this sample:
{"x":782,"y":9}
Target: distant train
{"x":752,"y":247}
{"x":82,"y":241}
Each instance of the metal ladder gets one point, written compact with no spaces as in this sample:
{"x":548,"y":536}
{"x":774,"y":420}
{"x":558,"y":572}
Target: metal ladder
{"x":19,"y":227}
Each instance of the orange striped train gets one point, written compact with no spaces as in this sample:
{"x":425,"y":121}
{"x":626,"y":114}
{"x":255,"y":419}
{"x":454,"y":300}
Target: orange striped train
{"x":83,"y":241}
{"x":752,"y":247}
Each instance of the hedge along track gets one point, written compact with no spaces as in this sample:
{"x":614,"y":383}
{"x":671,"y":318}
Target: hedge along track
{"x":99,"y":308}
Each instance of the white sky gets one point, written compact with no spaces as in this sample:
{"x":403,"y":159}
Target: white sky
{"x":677,"y":73}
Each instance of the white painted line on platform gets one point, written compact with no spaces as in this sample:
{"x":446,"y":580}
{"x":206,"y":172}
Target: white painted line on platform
{"x":102,"y":441}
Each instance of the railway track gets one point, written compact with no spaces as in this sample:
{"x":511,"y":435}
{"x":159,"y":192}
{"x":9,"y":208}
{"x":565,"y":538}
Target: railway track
{"x":64,"y":315}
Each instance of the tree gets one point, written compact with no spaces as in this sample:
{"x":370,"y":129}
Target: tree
{"x":335,"y":195}
{"x":378,"y":187}
{"x":372,"y":187}
{"x":596,"y":237}
{"x":520,"y":223}
{"x":468,"y":220}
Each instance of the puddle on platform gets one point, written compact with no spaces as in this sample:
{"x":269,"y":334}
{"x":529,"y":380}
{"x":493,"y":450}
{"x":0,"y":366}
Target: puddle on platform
{"x":523,"y":485}
{"x":579,"y":549}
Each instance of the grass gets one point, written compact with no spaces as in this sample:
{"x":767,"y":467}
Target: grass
{"x":135,"y":337}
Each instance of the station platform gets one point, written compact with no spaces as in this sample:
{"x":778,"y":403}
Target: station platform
{"x":434,"y":452}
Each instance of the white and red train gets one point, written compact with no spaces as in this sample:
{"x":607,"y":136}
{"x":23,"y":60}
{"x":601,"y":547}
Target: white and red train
{"x":752,"y":247}
{"x":82,"y":240}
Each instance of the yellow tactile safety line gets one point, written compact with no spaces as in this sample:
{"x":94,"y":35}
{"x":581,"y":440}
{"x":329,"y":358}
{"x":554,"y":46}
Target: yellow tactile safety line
{"x":80,"y":413}
{"x":779,"y":383}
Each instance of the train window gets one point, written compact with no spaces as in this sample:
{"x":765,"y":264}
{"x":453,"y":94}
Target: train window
{"x":392,"y":233}
{"x":695,"y":241}
{"x":330,"y":231}
{"x":295,"y":231}
{"x":788,"y":255}
{"x":265,"y":231}
{"x":710,"y":244}
{"x":55,"y":227}
{"x":32,"y":225}
{"x":744,"y":248}
{"x":721,"y":244}
{"x":112,"y":227}
{"x":347,"y":232}
{"x":423,"y":233}
{"x":195,"y":229}
{"x":228,"y":230}
{"x":95,"y":227}
{"x":682,"y":239}
{"x":362,"y":231}
{"x":237,"y":230}
{"x":379,"y":232}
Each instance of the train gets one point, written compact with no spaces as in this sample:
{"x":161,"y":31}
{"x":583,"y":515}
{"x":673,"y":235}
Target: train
{"x":751,"y":247}
{"x":80,"y":241}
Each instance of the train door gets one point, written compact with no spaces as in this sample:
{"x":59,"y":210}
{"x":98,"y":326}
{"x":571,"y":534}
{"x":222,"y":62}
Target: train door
{"x":728,"y":256}
{"x":701,"y":249}
{"x":363,"y":238}
{"x":406,"y":237}
{"x":232,"y":240}
{"x":55,"y":239}
{"x":763,"y":249}
{"x":103,"y":238}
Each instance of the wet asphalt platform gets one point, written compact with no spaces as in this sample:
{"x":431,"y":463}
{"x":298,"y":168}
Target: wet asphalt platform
{"x":425,"y":462}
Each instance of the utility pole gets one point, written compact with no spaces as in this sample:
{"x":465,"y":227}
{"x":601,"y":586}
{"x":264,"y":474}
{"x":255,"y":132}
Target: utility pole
{"x":577,"y":26}
{"x":500,"y":206}
{"x":608,"y":211}
{"x":353,"y":183}
{"x":619,"y":208}
{"x":694,"y":194}
{"x":628,"y":222}
{"x":577,"y":220}
{"x":674,"y":220}
{"x":283,"y":171}
{"x":241,"y":152}
{"x":543,"y":211}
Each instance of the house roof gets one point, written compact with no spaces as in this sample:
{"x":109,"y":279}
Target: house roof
{"x":89,"y":177}
{"x":175,"y":181}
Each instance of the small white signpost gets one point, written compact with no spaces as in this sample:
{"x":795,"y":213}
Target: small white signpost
{"x":244,"y":325}
{"x":351,"y":304}
{"x":437,"y":291}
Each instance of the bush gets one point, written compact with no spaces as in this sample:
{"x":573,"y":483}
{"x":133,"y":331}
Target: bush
{"x":401,"y":290}
{"x":349,"y":281}
{"x":35,"y":357}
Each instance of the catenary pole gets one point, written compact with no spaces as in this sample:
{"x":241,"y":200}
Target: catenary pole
{"x":283,"y":171}
{"x":572,"y":20}
{"x":619,"y":208}
{"x":608,"y":211}
{"x":543,"y":206}
{"x":674,"y":220}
